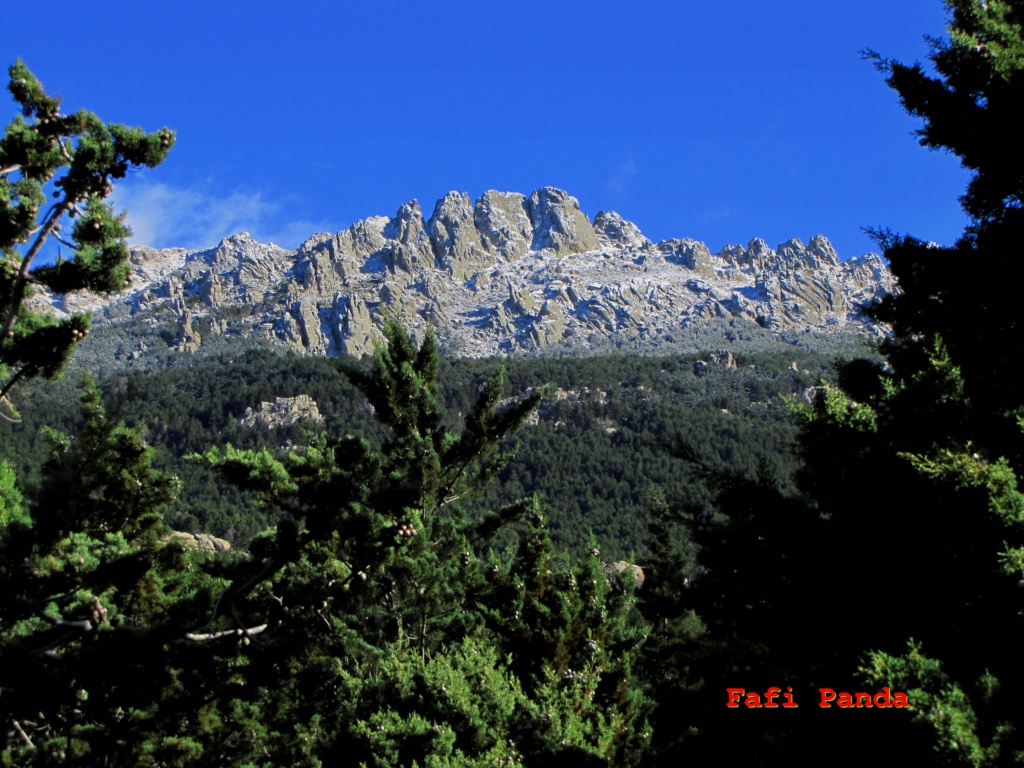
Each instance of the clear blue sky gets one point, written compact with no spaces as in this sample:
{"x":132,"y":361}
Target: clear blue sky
{"x":717,"y":121}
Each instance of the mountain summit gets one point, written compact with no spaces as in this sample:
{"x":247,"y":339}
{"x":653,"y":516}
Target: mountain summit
{"x":507,"y":273}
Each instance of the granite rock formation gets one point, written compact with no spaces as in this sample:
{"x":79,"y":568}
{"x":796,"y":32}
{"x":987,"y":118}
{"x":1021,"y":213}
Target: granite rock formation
{"x":508,"y":273}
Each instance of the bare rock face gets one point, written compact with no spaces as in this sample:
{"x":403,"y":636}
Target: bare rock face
{"x":458,"y":247}
{"x":559,"y":224}
{"x":189,"y":339}
{"x":200,"y":541}
{"x":283,"y":412}
{"x":613,"y":231}
{"x":503,"y":221}
{"x":692,"y":254}
{"x":410,"y":246}
{"x":796,"y":285}
{"x":507,"y":273}
{"x":245,"y":268}
{"x":357,"y":327}
{"x":621,"y":567}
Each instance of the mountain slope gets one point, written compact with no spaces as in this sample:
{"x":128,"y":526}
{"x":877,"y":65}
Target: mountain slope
{"x":508,"y":273}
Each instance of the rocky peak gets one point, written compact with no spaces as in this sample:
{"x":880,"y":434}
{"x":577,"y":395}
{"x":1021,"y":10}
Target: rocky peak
{"x":413,"y":247}
{"x":559,"y":224}
{"x":613,"y":231}
{"x":688,"y":253}
{"x":456,"y":242}
{"x":503,"y":221}
{"x":823,"y":250}
{"x":492,"y":277}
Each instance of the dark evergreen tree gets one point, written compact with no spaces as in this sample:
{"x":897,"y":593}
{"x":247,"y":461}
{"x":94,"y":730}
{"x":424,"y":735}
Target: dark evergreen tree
{"x":90,"y":154}
{"x":88,"y":590}
{"x":374,"y":620}
{"x":947,"y":416}
{"x":909,"y":526}
{"x":92,"y":594}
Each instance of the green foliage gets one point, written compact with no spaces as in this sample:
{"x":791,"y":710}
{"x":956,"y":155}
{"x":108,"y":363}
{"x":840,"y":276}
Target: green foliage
{"x":36,"y":146}
{"x":910,"y":481}
{"x":970,"y":372}
{"x":12,"y":510}
{"x":946,"y":706}
{"x":371,"y":611}
{"x":592,"y":454}
{"x":90,"y":594}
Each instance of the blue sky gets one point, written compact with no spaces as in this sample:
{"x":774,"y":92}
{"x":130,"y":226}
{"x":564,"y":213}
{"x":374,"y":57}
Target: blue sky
{"x":717,"y":121}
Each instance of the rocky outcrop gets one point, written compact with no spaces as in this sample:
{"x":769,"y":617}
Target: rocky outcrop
{"x":283,"y":412}
{"x":559,"y":224}
{"x":613,"y":231}
{"x":457,"y":244}
{"x":188,"y":339}
{"x":503,"y":220}
{"x":507,"y":273}
{"x":621,"y":567}
{"x":692,"y":254}
{"x":804,"y":286}
{"x":201,"y":541}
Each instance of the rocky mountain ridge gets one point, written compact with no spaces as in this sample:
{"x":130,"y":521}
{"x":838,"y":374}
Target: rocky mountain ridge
{"x":505,"y":274}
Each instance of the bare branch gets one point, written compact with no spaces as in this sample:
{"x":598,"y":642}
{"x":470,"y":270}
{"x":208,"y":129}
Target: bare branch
{"x":12,"y":381}
{"x":24,"y":736}
{"x":63,"y":149}
{"x":83,"y":625}
{"x":243,"y":632}
{"x":10,"y":169}
{"x":62,"y":241}
{"x":5,"y":401}
{"x":18,"y":291}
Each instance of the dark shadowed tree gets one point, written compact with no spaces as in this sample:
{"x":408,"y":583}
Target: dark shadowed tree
{"x":909,"y":526}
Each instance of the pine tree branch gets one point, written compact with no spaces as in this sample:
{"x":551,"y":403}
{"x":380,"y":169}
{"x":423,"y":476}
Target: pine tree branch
{"x":4,"y":416}
{"x":12,"y":381}
{"x":83,"y":625}
{"x":18,"y":289}
{"x":242,"y":632}
{"x":22,"y":734}
{"x":62,"y":241}
{"x":64,"y":149}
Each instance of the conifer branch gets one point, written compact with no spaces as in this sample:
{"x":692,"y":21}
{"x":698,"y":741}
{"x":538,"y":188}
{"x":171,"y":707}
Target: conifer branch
{"x":11,"y":382}
{"x":18,"y":290}
{"x":63,"y":149}
{"x":62,"y":241}
{"x":22,"y":734}
{"x":241,"y":632}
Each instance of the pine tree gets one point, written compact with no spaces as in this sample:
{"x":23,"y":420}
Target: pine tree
{"x":909,"y":523}
{"x":377,"y":618}
{"x":78,"y":156}
{"x":939,"y":427}
{"x":91,"y":597}
{"x":91,"y":594}
{"x":949,"y":414}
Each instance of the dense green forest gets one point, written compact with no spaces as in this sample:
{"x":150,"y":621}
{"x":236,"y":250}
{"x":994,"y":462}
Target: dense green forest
{"x":601,"y":444}
{"x":423,"y":579}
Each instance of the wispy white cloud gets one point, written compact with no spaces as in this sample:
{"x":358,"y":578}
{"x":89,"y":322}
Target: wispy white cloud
{"x":164,"y":216}
{"x":620,"y":182}
{"x":716,"y":213}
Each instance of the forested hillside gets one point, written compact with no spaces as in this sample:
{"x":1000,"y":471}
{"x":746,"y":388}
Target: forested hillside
{"x":597,"y":449}
{"x":423,"y":565}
